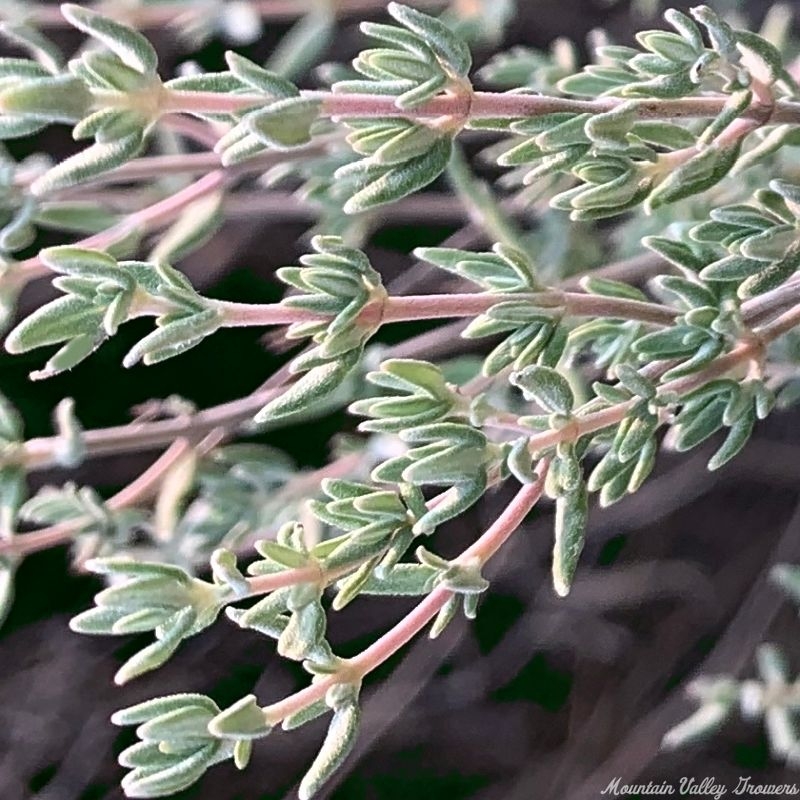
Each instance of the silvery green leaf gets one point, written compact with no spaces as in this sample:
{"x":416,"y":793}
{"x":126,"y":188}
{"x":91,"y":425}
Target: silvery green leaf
{"x":158,"y":653}
{"x":444,"y":617}
{"x":546,"y":387}
{"x":636,"y":435}
{"x":422,"y":93}
{"x":145,"y":619}
{"x":96,"y":621}
{"x":53,"y":99}
{"x":243,"y":720}
{"x":13,"y":490}
{"x":787,"y":576}
{"x":635,"y":382}
{"x":128,"y":567}
{"x":305,"y":715}
{"x":130,"y":46}
{"x":701,"y":172}
{"x":772,"y":665}
{"x":410,"y":580}
{"x":676,"y":252}
{"x":63,"y":319}
{"x":644,"y":465}
{"x":339,"y":741}
{"x":774,"y":275}
{"x":219,"y":82}
{"x":762,"y":54}
{"x":145,"y":783}
{"x":68,"y":356}
{"x":312,"y":387}
{"x":149,"y":709}
{"x":285,"y":123}
{"x":699,"y":426}
{"x":450,"y":49}
{"x":363,"y":543}
{"x":304,"y":632}
{"x":101,"y":69}
{"x":410,"y":143}
{"x":705,"y":353}
{"x":89,"y":163}
{"x":404,"y":179}
{"x":282,"y":555}
{"x":520,"y":461}
{"x":173,"y":337}
{"x":610,"y":130}
{"x":455,"y":501}
{"x":225,"y":570}
{"x":186,"y":722}
{"x":734,"y":107}
{"x":350,"y":587}
{"x":609,"y":288}
{"x":737,"y":438}
{"x":572,"y":512}
{"x":764,"y":397}
{"x":258,"y":78}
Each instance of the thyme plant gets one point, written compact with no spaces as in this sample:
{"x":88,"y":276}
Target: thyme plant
{"x":584,"y":372}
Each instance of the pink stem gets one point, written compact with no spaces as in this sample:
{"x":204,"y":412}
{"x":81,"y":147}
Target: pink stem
{"x":475,"y":106}
{"x":437,"y":306}
{"x":130,"y":495}
{"x":388,"y":644}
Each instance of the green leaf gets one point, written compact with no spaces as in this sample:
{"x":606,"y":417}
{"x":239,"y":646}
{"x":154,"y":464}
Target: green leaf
{"x":774,"y":275}
{"x":149,"y":709}
{"x":63,"y":319}
{"x":258,"y":78}
{"x":737,"y":438}
{"x":572,"y":511}
{"x":339,"y":741}
{"x":146,"y":783}
{"x":546,"y":387}
{"x":732,"y":268}
{"x":54,"y":99}
{"x":403,"y":180}
{"x":131,"y":47}
{"x":311,"y":388}
{"x":286,"y":123}
{"x":89,"y":163}
{"x":449,"y":48}
{"x":697,"y":175}
{"x":158,"y":653}
{"x":243,"y":720}
{"x":410,"y":580}
{"x":186,"y":722}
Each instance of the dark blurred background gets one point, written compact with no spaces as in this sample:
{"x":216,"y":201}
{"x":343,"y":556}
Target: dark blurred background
{"x":538,"y":698}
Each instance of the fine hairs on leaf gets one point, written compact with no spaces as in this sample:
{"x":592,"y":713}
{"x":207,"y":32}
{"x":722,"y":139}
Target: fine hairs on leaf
{"x":627,"y":283}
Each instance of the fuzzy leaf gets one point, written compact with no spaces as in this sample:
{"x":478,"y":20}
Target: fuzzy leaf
{"x":286,"y":123}
{"x":572,"y":511}
{"x":339,"y":741}
{"x":450,"y":49}
{"x":131,"y":47}
{"x":403,"y":180}
{"x":546,"y":387}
